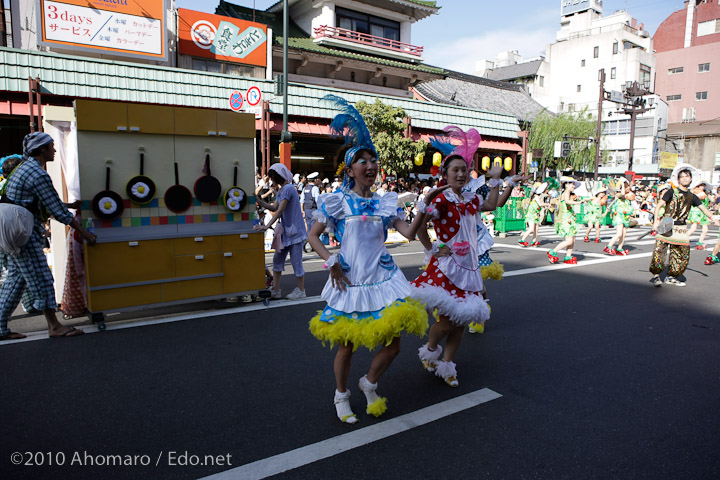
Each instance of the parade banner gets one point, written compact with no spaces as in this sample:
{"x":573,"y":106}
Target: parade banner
{"x":222,"y":38}
{"x":118,"y":27}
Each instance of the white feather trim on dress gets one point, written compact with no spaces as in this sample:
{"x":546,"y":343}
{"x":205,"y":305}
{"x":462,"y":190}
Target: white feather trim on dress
{"x":460,"y":311}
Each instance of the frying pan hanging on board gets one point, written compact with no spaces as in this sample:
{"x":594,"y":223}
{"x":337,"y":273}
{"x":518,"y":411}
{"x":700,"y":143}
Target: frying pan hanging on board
{"x":178,"y":198}
{"x":141,"y":189}
{"x":235,"y":197}
{"x":107,"y":205}
{"x":207,"y":188}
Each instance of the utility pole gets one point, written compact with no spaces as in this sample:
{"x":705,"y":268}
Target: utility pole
{"x":634,"y":92}
{"x":599,"y":122}
{"x":285,"y":136}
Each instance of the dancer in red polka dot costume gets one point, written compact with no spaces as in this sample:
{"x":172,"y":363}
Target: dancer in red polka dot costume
{"x":452,"y":284}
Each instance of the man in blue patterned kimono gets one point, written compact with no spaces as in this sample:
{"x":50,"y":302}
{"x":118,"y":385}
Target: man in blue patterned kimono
{"x":31,"y":187}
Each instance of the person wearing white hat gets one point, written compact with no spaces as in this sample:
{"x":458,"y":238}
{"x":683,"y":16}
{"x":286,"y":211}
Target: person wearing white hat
{"x":534,"y":214}
{"x":291,"y":230}
{"x":621,"y":210}
{"x":565,"y":222}
{"x":593,"y":213}
{"x":677,"y":203}
{"x":696,"y":217}
{"x":308,"y":199}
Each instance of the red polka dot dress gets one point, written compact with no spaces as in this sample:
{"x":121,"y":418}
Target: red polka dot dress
{"x":452,"y":284}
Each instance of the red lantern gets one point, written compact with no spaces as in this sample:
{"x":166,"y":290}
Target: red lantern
{"x":434,"y":170}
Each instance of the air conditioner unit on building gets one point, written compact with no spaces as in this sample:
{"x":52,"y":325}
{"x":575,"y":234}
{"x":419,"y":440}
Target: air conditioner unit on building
{"x":611,"y":161}
{"x":688,"y":114}
{"x":644,"y":34}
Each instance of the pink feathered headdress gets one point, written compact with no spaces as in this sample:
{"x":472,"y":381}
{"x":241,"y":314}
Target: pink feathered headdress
{"x":468,"y":143}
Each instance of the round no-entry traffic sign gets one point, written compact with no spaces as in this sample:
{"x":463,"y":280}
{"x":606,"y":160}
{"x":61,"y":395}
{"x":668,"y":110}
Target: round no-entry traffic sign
{"x":236,"y":101}
{"x":253,"y":96}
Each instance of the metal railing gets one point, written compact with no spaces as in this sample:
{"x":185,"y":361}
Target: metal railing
{"x":366,"y":39}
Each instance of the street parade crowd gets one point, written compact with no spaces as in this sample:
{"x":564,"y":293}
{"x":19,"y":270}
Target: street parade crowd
{"x":369,"y":302}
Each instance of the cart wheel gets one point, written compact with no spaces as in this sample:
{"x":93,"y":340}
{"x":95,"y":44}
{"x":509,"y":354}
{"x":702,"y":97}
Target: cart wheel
{"x":266,"y":301}
{"x":101,"y":326}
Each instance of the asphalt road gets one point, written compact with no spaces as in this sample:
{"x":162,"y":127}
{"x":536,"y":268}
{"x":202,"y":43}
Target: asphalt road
{"x":598,"y":375}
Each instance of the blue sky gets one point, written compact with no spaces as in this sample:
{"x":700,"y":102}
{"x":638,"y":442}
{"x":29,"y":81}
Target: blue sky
{"x":466,"y":31}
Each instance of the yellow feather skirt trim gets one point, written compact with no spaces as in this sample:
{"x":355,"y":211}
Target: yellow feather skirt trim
{"x":408,"y":316}
{"x":494,"y":271}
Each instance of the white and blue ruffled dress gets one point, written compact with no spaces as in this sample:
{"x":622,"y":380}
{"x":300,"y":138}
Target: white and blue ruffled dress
{"x":375,"y":307}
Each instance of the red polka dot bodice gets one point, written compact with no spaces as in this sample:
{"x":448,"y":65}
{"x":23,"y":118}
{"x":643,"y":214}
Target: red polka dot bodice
{"x":448,"y":223}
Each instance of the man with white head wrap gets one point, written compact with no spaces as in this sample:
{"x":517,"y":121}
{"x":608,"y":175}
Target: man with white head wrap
{"x":31,"y":187}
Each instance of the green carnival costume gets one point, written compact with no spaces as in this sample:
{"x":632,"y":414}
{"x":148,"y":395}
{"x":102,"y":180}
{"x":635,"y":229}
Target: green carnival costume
{"x":621,"y":211}
{"x":565,"y":221}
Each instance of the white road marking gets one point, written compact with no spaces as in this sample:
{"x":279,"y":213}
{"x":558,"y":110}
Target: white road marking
{"x":308,"y":454}
{"x":541,"y":249}
{"x":583,"y":263}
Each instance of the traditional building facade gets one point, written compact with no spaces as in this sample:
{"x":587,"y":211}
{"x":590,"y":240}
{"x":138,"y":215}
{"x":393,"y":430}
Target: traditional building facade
{"x":360,"y":50}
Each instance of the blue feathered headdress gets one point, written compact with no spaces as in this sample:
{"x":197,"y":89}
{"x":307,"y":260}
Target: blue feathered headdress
{"x":350,"y":124}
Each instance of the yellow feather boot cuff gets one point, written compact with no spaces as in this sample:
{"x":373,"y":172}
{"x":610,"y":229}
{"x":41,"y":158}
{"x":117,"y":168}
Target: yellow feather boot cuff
{"x":376,"y":405}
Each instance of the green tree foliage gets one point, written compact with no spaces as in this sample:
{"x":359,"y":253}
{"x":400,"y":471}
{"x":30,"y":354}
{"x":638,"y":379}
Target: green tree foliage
{"x":549,"y":128}
{"x":386,"y":126}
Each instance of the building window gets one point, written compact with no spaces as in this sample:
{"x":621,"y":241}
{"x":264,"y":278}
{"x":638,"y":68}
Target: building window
{"x":613,"y":72}
{"x":708,"y":28}
{"x":579,"y":88}
{"x":362,"y":23}
{"x":645,"y":75}
{"x":701,"y":96}
{"x":616,"y":48}
{"x":623,"y":127}
{"x":596,"y":52}
{"x":571,"y":107}
{"x":675,"y":71}
{"x":674,"y":98}
{"x":541,"y":80}
{"x":582,"y":62}
{"x":703,"y":67}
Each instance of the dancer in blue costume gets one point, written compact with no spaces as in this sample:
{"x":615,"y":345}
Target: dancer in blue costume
{"x":366,"y":293}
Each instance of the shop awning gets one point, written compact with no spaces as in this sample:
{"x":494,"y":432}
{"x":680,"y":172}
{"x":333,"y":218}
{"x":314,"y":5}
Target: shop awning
{"x":302,"y":126}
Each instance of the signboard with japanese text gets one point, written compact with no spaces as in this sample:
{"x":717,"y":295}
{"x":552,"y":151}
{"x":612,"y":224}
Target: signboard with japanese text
{"x":568,"y":7}
{"x":668,"y":160}
{"x":222,"y":38}
{"x":114,"y":27}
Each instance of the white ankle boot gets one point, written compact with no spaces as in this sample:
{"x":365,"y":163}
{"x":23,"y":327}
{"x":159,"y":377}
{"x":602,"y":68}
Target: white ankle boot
{"x":376,"y":405}
{"x":342,"y":407}
{"x":448,"y":372}
{"x":429,"y":357}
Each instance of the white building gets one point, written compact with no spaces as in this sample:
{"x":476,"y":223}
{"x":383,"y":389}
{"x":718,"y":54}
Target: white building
{"x":567,"y":78}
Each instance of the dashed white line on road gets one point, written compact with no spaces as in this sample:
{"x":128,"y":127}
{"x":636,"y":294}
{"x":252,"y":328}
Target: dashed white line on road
{"x":308,"y":454}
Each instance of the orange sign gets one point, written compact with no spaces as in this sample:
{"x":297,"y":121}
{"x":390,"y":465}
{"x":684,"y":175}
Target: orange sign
{"x":122,"y":27}
{"x":222,"y":38}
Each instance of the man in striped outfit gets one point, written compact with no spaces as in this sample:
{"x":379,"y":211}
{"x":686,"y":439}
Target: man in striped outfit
{"x":31,"y":187}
